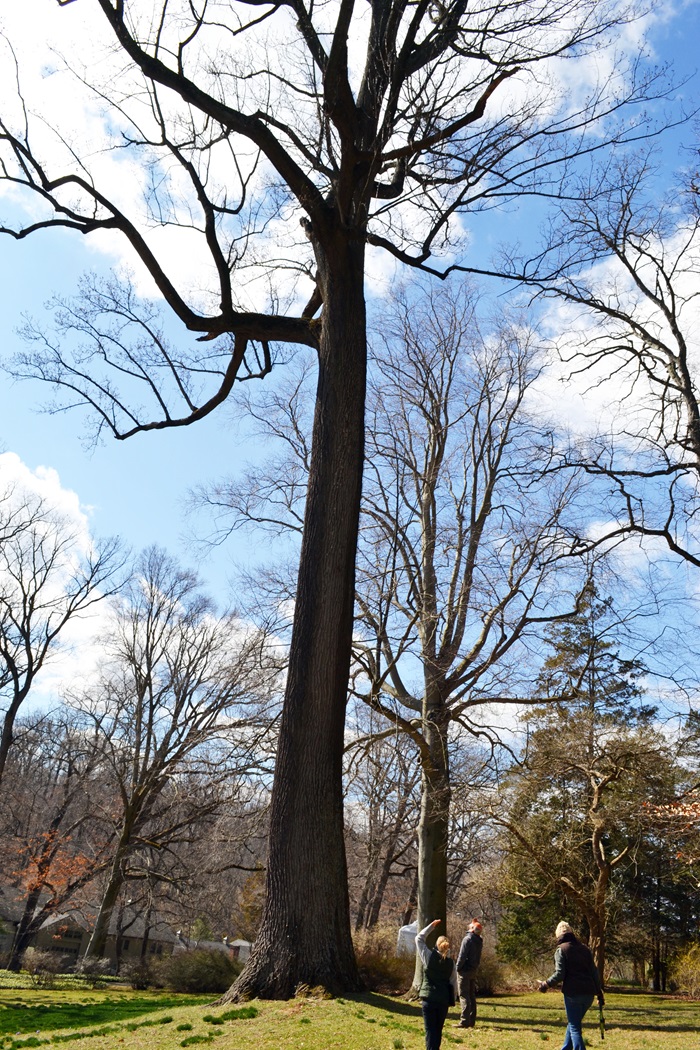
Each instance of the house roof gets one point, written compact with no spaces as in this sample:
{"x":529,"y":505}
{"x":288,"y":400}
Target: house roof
{"x":11,"y":904}
{"x":82,"y":918}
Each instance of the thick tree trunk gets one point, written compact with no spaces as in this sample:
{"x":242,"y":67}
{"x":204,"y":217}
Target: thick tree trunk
{"x":98,"y":938}
{"x":596,"y":925}
{"x":28,"y":926}
{"x":304,"y":938}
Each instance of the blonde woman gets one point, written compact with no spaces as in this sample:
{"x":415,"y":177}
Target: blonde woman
{"x":438,"y":990}
{"x":577,"y":974}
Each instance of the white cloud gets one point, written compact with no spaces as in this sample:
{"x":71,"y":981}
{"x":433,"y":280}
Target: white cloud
{"x":45,"y":483}
{"x":77,"y":651}
{"x":41,"y":33}
{"x":591,"y":391}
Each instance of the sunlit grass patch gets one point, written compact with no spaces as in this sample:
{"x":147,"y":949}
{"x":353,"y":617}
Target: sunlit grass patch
{"x":364,"y":1022}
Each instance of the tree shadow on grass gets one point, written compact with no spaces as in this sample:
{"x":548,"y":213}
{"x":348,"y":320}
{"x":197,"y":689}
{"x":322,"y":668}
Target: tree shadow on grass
{"x":638,"y":1026}
{"x":18,"y":1016}
{"x":511,"y":1016}
{"x":384,"y":1002}
{"x":624,"y":1018}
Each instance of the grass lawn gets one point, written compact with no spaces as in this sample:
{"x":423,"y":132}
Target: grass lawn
{"x":121,"y":1020}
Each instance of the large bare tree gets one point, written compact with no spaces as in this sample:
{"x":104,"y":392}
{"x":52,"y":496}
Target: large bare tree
{"x":176,"y":679}
{"x":469,"y":536}
{"x":323,"y":130}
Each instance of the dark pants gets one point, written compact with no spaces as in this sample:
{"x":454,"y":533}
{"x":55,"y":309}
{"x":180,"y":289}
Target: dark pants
{"x":434,"y":1015}
{"x":576,"y":1007}
{"x":467,"y":998}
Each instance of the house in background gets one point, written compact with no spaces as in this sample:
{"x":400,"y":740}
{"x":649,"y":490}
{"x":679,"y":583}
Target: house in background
{"x":10,"y":915}
{"x":131,"y":937}
{"x":236,"y":949}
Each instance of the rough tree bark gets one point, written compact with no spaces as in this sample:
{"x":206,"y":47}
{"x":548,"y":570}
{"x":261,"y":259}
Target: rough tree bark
{"x":308,"y":942}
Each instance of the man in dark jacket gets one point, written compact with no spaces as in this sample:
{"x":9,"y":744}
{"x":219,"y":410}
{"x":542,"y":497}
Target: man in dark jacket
{"x":577,"y":973}
{"x":467,"y":964}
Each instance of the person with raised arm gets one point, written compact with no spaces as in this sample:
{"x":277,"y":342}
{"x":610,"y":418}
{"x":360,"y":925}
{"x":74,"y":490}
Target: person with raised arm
{"x":438,"y":990}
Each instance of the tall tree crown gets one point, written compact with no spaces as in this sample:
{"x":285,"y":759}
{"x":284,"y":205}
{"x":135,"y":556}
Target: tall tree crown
{"x":267,"y":136}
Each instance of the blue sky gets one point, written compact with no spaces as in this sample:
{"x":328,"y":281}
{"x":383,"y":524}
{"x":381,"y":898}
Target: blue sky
{"x":136,"y":488}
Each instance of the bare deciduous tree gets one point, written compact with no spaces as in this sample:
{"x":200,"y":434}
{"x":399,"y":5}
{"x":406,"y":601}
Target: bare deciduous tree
{"x":54,"y":843}
{"x":47,"y":582}
{"x":468,"y":544}
{"x":176,"y":679}
{"x":335,"y":129}
{"x":469,"y":537}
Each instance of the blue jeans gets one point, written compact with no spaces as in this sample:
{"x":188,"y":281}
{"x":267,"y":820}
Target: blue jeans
{"x":434,"y":1015}
{"x":576,"y":1007}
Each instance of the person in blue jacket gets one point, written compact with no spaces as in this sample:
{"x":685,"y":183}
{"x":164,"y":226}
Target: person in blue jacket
{"x":438,"y":990}
{"x":576,"y":972}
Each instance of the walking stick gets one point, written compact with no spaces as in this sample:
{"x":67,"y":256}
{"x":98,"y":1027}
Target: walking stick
{"x":601,"y":1021}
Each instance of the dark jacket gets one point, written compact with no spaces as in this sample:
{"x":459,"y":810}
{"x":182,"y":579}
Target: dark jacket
{"x":469,"y":954}
{"x":437,"y":980}
{"x":574,"y":968}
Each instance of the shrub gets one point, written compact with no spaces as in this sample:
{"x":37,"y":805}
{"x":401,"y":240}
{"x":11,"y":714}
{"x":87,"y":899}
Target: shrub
{"x":43,"y":966}
{"x":138,"y":974}
{"x":94,"y":970}
{"x":491,"y":974}
{"x":199,"y":971}
{"x":380,"y":967}
{"x":685,"y":971}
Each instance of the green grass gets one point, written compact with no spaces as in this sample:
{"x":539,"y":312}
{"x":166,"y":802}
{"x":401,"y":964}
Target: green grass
{"x":50,"y":1010}
{"x":73,"y":981}
{"x":112,"y":1020}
